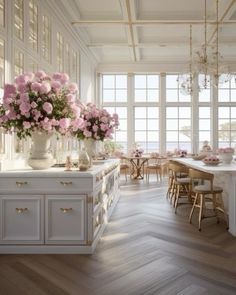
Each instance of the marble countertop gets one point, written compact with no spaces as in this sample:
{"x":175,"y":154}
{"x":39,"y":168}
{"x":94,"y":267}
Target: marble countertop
{"x":97,"y":167}
{"x":208,"y":168}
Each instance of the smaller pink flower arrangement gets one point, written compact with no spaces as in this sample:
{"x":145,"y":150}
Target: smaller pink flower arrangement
{"x":95,"y":123}
{"x":227,"y":150}
{"x":39,"y":102}
{"x":137,"y":152}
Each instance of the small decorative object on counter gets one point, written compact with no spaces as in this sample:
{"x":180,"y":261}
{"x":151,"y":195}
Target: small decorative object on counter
{"x":206,"y":148}
{"x":84,"y":162}
{"x":226,"y":154}
{"x":69,"y":164}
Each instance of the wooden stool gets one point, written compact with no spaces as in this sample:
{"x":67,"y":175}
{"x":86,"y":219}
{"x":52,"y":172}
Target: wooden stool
{"x":180,"y":186}
{"x":203,"y":192}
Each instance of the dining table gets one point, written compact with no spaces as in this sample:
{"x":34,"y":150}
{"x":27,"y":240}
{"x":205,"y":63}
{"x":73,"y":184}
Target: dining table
{"x":137,"y":166}
{"x":224,"y":176}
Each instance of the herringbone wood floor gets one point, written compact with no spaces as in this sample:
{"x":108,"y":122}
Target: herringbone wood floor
{"x":146,"y":249}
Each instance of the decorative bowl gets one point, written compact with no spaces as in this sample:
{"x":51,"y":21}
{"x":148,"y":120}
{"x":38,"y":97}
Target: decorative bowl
{"x":211,"y":161}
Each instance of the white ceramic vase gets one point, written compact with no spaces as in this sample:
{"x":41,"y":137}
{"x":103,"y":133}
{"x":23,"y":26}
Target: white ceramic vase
{"x":40,"y":155}
{"x":226,"y":157}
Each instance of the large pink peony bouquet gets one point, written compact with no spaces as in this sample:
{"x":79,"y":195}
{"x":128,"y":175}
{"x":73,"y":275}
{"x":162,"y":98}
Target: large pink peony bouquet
{"x":95,"y":123}
{"x":39,"y":102}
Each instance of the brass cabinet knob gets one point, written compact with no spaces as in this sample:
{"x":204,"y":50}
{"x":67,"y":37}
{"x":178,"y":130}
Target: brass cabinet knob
{"x":20,"y":183}
{"x":66,"y":183}
{"x":65,"y":210}
{"x":21,"y":210}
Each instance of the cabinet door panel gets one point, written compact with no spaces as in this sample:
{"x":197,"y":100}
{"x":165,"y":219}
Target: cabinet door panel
{"x":21,"y":219}
{"x":66,"y":219}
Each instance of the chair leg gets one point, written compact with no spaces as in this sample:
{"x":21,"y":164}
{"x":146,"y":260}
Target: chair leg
{"x":177,"y":198}
{"x":193,"y":208}
{"x":200,"y":212}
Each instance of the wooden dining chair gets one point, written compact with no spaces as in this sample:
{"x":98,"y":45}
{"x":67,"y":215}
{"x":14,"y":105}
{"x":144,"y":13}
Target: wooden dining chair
{"x":124,"y":167}
{"x":203,"y":192}
{"x":155,"y":166}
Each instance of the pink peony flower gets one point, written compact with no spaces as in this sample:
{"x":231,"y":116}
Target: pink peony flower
{"x":64,"y":123}
{"x":40,"y":75}
{"x":57,"y":76}
{"x":36,"y":86}
{"x":77,"y":124}
{"x":26,"y":124}
{"x":47,"y":107}
{"x":9,"y":89}
{"x":25,"y":108}
{"x":87,"y":133}
{"x":33,"y":104}
{"x":73,"y":87}
{"x":21,"y":88}
{"x":56,"y":85}
{"x":45,"y":88}
{"x":64,"y":78}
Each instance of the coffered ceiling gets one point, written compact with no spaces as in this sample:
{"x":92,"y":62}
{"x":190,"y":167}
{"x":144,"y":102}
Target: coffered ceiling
{"x":142,"y":31}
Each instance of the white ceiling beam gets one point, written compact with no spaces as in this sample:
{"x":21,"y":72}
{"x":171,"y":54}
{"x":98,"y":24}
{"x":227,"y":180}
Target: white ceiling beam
{"x":135,"y":31}
{"x":224,"y":14}
{"x":125,"y":7}
{"x":86,"y":23}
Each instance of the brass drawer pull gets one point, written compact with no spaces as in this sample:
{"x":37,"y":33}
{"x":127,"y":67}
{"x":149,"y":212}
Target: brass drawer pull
{"x":66,"y":183}
{"x":21,"y":210}
{"x":20,"y":183}
{"x":65,"y":210}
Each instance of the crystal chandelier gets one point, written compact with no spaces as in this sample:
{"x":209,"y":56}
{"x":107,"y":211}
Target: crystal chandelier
{"x":208,"y":61}
{"x":186,"y":80}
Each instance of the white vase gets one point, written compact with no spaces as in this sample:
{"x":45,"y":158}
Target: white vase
{"x":226,"y":157}
{"x":40,"y":155}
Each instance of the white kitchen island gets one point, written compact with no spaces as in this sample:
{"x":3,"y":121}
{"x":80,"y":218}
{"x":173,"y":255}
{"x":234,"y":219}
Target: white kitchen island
{"x":225,"y":176}
{"x":56,"y":211}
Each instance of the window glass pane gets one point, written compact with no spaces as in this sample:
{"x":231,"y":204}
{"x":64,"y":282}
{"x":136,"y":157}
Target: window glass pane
{"x":223,"y":95}
{"x":153,"y":124}
{"x":46,"y":38}
{"x":185,"y":112}
{"x":171,"y":81}
{"x":140,"y":95}
{"x":140,"y":124}
{"x":33,"y":25}
{"x":223,"y":112}
{"x":153,"y":112}
{"x":18,"y":62}
{"x":140,"y":136}
{"x":172,"y":124}
{"x":152,"y":95}
{"x":2,"y":65}
{"x":19,"y":19}
{"x":204,"y":112}
{"x":2,"y":12}
{"x":108,"y":95}
{"x":60,"y":52}
{"x":140,"y":81}
{"x":121,"y":95}
{"x":108,"y":81}
{"x":121,"y":81}
{"x":204,"y":124}
{"x":153,"y":81}
{"x":140,"y":112}
{"x":172,"y":112}
{"x":171,"y":95}
{"x":121,"y":111}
